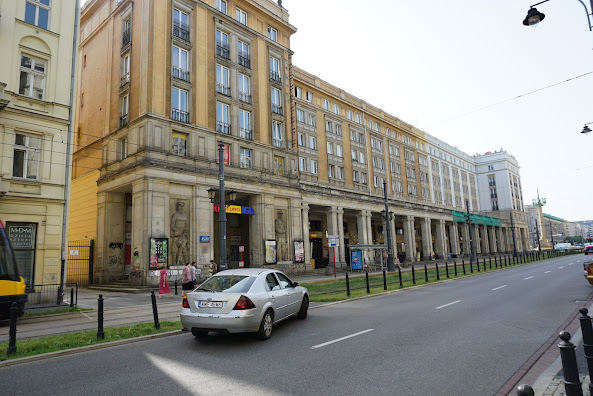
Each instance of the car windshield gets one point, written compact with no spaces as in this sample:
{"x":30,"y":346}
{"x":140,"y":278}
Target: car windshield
{"x":228,"y":284}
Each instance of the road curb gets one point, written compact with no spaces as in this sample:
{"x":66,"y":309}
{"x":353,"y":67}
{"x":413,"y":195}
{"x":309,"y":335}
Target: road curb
{"x":27,"y":359}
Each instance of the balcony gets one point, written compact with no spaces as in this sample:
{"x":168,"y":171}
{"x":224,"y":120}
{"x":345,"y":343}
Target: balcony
{"x":245,"y":133}
{"x":244,"y":60}
{"x":277,"y":109}
{"x":223,"y":127}
{"x":245,"y":97}
{"x":278,"y":142}
{"x":181,"y":30}
{"x":125,"y":79}
{"x":126,"y":37}
{"x":180,"y":115}
{"x":222,"y":49}
{"x":275,"y":76}
{"x":180,"y":74}
{"x":123,"y":120}
{"x":223,"y":89}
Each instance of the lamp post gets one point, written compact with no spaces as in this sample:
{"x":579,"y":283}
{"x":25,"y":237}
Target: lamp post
{"x":222,"y":265}
{"x":471,"y":237}
{"x":390,"y":265}
{"x":551,"y":234}
{"x":513,"y":232}
{"x":534,"y":16}
{"x":539,"y":245}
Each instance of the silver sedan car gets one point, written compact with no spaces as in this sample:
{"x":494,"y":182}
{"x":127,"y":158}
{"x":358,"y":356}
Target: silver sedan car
{"x":243,"y":300}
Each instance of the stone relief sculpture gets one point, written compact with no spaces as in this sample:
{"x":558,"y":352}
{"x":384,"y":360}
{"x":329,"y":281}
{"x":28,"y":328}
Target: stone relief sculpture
{"x":281,"y":244}
{"x":180,"y":235}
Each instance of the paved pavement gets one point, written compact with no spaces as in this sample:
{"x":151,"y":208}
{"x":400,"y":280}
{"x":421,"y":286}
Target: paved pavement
{"x":543,"y":371}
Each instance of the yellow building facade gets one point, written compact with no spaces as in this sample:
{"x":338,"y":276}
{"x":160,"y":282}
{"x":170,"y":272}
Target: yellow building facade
{"x":163,"y":83}
{"x":36,"y":42}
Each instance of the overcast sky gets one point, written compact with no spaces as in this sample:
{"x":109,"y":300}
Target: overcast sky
{"x":430,"y":63}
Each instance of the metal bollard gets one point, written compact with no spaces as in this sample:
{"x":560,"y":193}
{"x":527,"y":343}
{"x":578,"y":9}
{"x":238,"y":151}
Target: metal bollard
{"x":490,"y":261}
{"x":347,"y":286}
{"x":525,"y":390}
{"x":100,"y":333}
{"x":399,"y":273}
{"x":425,"y":273}
{"x":14,"y":313}
{"x":175,"y":286}
{"x":587,"y":330}
{"x":384,"y":281}
{"x":455,"y":265}
{"x":71,"y":297}
{"x":447,"y":269}
{"x":155,"y":313}
{"x":368,"y":288}
{"x":471,"y":267}
{"x":436,"y":266}
{"x":463,"y":264}
{"x":570,"y":369}
{"x":413,"y":275}
{"x":484,"y":262}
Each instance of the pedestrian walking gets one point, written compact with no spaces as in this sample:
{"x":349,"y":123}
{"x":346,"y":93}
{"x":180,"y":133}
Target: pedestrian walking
{"x":164,"y":287}
{"x":187,"y":283}
{"x":213,"y":267}
{"x":192,"y":269}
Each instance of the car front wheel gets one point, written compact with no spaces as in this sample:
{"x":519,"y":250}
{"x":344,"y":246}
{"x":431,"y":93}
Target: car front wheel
{"x":302,"y":314}
{"x":265,"y":327}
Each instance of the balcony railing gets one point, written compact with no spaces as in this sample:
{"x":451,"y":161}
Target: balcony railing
{"x":245,"y":97}
{"x":275,"y":76}
{"x":223,"y":89}
{"x":244,"y":60}
{"x":125,"y":79}
{"x":180,"y":73}
{"x":277,"y":109}
{"x":126,"y":36}
{"x":278,"y":142}
{"x":180,"y":115}
{"x":181,"y":30}
{"x":123,"y":120}
{"x":222,"y":49}
{"x":245,"y":133}
{"x":223,"y":127}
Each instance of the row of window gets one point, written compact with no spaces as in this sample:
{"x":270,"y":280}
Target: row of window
{"x":242,"y":17}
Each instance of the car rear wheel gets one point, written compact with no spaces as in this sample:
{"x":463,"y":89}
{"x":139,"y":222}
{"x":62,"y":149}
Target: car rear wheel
{"x":199,"y":333}
{"x":265,"y":327}
{"x":302,"y":314}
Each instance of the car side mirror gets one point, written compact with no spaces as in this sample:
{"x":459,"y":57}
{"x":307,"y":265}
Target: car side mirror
{"x":295,"y":284}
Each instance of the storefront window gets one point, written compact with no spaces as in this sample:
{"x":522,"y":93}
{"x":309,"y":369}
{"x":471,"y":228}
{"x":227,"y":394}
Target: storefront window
{"x":23,"y":237}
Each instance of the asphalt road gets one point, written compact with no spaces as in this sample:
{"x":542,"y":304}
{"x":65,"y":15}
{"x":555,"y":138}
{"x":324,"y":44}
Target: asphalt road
{"x":464,"y":337}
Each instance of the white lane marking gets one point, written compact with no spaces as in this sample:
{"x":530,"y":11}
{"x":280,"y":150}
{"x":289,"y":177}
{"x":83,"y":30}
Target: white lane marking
{"x":499,"y":287}
{"x":560,"y":267}
{"x":446,"y":305}
{"x":529,"y":277}
{"x":570,"y":264}
{"x":341,"y":339}
{"x":547,"y":272}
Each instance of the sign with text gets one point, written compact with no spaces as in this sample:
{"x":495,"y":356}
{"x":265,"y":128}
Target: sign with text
{"x":22,"y":236}
{"x":236,"y":209}
{"x":299,"y":252}
{"x":334,"y":240}
{"x":356,"y":259}
{"x":159,"y":252}
{"x":204,"y":238}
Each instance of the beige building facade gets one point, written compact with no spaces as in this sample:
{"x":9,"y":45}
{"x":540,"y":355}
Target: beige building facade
{"x":36,"y":42}
{"x":162,"y":84}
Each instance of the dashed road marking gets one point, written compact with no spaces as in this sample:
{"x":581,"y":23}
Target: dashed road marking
{"x":529,"y":277}
{"x":446,"y":305}
{"x":499,"y":287}
{"x":547,"y":272}
{"x":341,"y":339}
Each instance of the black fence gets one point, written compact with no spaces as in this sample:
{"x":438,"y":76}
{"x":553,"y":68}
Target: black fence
{"x":52,"y":295}
{"x":80,"y":261}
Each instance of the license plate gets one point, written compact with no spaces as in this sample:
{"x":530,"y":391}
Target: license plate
{"x":209,"y":304}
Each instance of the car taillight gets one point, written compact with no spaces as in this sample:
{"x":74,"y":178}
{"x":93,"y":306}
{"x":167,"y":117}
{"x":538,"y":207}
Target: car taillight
{"x":185,"y":302}
{"x":244,"y":303}
{"x":589,"y":270}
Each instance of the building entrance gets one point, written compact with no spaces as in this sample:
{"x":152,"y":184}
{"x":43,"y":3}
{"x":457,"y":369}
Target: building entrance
{"x":317,"y":252}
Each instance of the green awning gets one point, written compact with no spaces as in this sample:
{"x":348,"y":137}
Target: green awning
{"x":461,"y":217}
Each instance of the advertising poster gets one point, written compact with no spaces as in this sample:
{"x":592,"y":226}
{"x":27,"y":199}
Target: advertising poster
{"x":356,"y":259}
{"x":271,"y":252}
{"x":299,"y":252}
{"x":159,"y":252}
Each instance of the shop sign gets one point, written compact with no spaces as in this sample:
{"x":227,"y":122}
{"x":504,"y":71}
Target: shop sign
{"x":236,"y":209}
{"x":204,"y":238}
{"x":21,"y":236}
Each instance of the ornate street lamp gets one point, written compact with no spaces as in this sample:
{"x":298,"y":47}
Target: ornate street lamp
{"x":473,"y":257}
{"x":232,"y":196}
{"x":390,"y":265}
{"x":534,"y":16}
{"x":222,"y":265}
{"x":212,"y":194}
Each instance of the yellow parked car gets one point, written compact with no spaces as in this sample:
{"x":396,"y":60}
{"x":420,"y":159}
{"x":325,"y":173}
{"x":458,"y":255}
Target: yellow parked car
{"x":588,"y":267}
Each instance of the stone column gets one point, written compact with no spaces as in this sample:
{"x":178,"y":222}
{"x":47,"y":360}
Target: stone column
{"x":306,"y":230}
{"x":477,"y":239}
{"x":410,"y":239}
{"x":369,"y":227}
{"x":257,"y":233}
{"x":110,"y":244}
{"x":525,"y":233}
{"x":426,"y":238}
{"x":492,"y":234}
{"x":485,"y":247}
{"x":500,"y":240}
{"x":441,"y":249}
{"x":454,"y":235}
{"x":361,"y":227}
{"x":466,"y":244}
{"x":393,"y":237}
{"x":332,"y":229}
{"x":341,"y":247}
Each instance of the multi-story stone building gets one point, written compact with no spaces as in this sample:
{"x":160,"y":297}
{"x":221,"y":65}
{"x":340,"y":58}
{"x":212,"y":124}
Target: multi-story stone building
{"x":304,"y":159}
{"x":36,"y":42}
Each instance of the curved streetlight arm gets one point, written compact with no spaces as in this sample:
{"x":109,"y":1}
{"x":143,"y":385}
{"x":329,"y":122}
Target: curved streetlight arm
{"x":587,"y":12}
